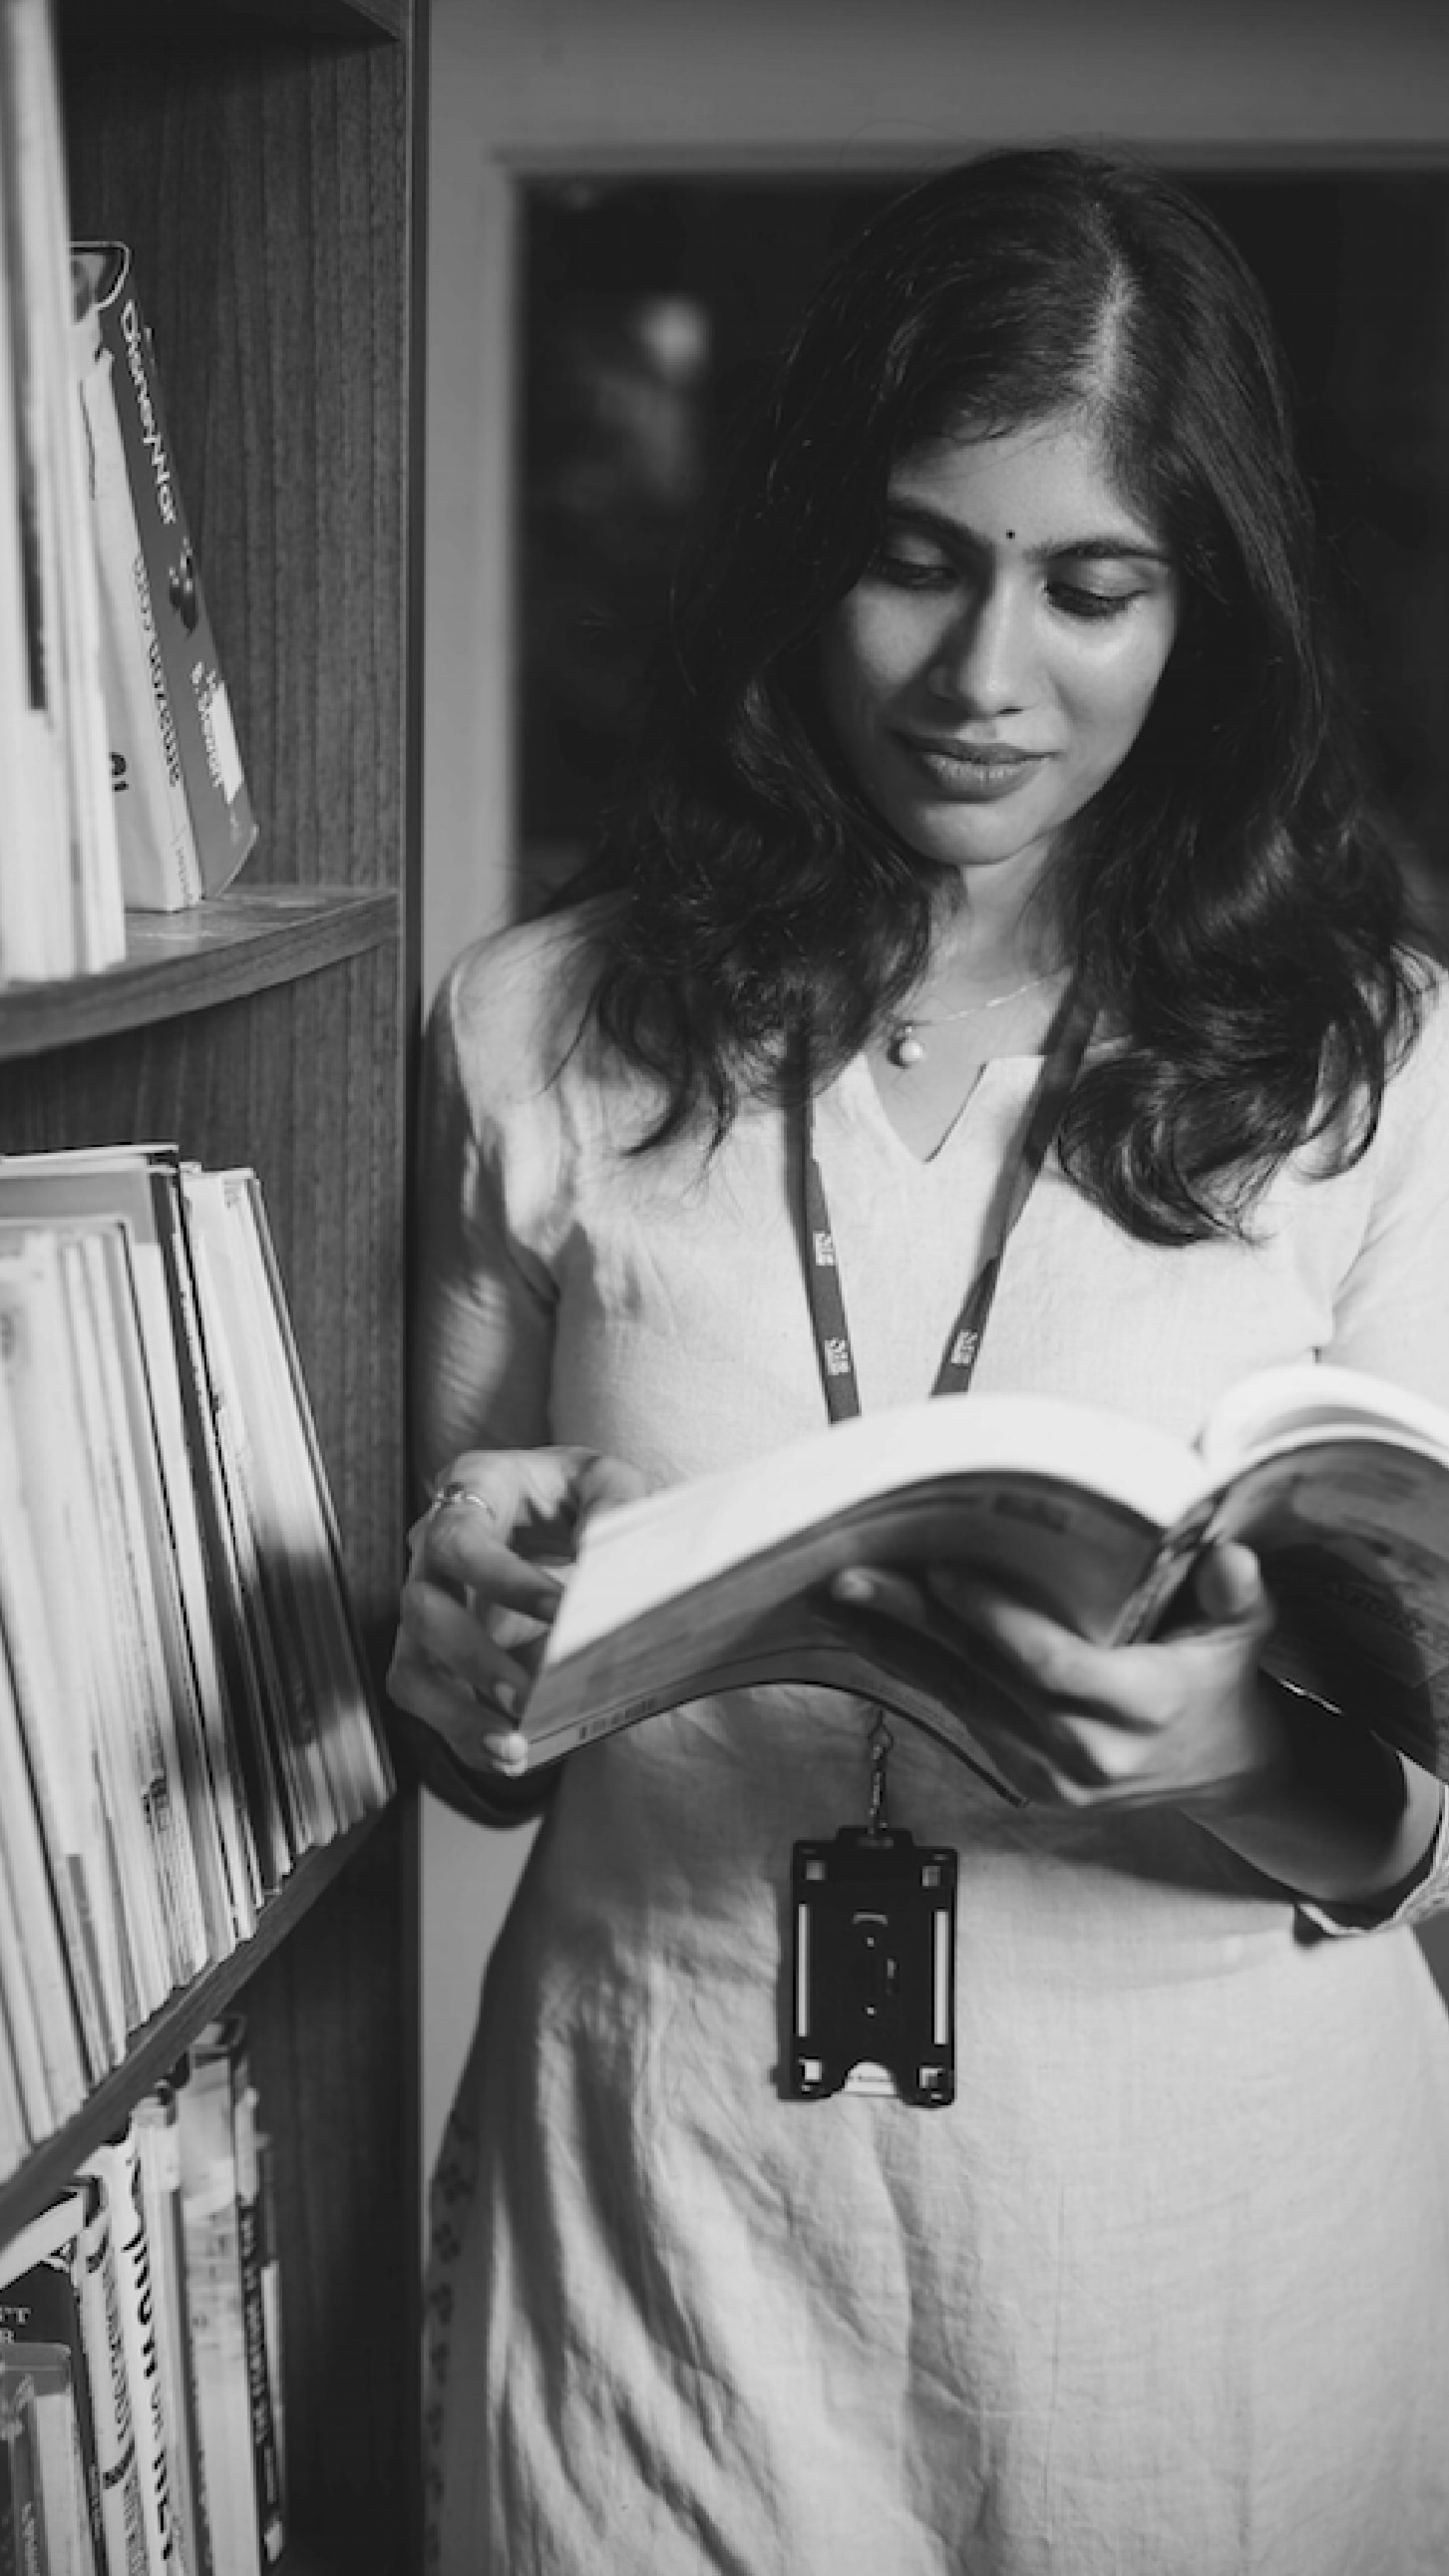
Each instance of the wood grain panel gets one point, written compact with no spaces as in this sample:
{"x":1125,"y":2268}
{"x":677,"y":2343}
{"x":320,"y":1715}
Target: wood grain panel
{"x":331,"y":2031}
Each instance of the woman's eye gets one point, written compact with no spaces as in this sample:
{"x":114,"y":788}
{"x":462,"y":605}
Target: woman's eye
{"x":911,"y":571}
{"x":1078,"y":602}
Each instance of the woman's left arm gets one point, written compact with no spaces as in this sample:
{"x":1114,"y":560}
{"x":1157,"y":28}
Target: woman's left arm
{"x":1315,"y":1801}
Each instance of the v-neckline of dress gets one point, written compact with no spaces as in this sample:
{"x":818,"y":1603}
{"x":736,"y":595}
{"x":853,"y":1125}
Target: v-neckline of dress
{"x":858,"y":1084}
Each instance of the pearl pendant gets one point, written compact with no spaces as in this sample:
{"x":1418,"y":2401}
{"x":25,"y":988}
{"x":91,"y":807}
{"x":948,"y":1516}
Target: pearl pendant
{"x":905,"y":1047}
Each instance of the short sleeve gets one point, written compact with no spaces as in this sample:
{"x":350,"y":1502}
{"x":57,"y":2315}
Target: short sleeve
{"x":484,"y":1294}
{"x":484,"y":1297}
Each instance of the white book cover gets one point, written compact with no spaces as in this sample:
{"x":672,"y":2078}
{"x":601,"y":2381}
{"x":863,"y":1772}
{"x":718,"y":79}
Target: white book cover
{"x":51,"y":424}
{"x":165,"y":1764}
{"x":113,"y":1186}
{"x":214,"y":2298}
{"x":119,"y":2166}
{"x":159,"y":867}
{"x":39,"y":1996}
{"x":112,"y":2412}
{"x":51,"y":1693}
{"x":58,"y":1489}
{"x":35,"y":926}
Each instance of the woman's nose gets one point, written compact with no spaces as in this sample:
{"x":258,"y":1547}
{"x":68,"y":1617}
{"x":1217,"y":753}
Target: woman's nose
{"x":983,"y":664}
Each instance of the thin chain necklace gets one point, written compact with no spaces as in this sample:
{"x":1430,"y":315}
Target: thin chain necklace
{"x":904,"y":1047}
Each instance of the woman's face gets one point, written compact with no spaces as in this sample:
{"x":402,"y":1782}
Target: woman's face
{"x":994,"y":665}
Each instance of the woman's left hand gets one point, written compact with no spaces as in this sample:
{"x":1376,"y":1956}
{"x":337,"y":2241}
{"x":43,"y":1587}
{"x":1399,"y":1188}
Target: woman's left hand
{"x":1311,"y":1798}
{"x":1185,"y":1720}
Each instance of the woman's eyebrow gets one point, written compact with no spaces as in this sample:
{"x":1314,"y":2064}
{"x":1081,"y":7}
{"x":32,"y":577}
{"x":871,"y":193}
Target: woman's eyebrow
{"x":1110,"y":546}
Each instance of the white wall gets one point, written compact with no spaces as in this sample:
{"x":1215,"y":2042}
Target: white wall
{"x":520,"y":85}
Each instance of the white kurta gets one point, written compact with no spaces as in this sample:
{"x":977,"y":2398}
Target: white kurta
{"x":1164,"y":2292}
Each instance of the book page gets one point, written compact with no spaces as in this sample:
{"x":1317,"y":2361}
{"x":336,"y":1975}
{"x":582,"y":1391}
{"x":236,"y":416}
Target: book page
{"x":1314,"y":1402}
{"x":1078,"y":1553}
{"x":643,"y":1554}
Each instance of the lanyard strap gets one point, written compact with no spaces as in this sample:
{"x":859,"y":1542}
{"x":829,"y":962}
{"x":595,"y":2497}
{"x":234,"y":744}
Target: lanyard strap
{"x":1066,"y":1046}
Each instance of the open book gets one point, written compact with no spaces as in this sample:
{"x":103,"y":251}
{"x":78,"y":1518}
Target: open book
{"x":1338,"y":1480}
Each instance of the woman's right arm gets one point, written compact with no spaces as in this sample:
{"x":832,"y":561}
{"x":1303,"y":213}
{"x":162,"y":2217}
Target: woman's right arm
{"x":483,"y":1573}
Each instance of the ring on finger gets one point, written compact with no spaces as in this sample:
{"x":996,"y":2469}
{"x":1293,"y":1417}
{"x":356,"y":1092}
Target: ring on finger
{"x":449,"y":1494}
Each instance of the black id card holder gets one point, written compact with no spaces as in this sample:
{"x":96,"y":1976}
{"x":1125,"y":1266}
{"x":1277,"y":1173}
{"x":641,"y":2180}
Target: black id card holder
{"x":873,"y":1985}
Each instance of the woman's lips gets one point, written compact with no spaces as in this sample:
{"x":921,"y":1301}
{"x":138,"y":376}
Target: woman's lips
{"x":968,"y":771}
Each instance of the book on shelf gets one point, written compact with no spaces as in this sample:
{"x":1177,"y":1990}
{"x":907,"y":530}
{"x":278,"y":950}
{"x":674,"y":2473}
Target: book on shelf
{"x":40,"y":2321}
{"x":115,"y":2167}
{"x":1339,"y":1481}
{"x":155,"y":2124}
{"x":101,"y":2287}
{"x":184,"y":1706}
{"x":236,"y":2362}
{"x":61,"y":908}
{"x":140,"y":2354}
{"x":184,"y":818}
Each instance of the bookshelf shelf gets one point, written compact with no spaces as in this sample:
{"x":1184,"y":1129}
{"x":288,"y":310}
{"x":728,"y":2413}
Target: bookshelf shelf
{"x":156,"y":2048}
{"x":222,"y":950}
{"x":358,"y":21}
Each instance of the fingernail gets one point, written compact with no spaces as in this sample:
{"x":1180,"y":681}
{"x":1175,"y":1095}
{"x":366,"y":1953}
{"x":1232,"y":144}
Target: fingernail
{"x":510,"y":1751}
{"x":853,"y":1584}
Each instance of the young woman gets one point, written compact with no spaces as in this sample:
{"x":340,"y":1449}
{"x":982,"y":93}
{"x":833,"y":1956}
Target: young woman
{"x":999,"y":793}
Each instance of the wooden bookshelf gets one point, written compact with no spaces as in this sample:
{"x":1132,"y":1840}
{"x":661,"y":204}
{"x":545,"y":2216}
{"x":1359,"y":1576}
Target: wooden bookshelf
{"x":238,"y":943}
{"x":261,"y":159}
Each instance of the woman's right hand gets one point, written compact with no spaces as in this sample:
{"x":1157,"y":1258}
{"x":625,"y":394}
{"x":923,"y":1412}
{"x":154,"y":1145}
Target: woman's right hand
{"x":485,"y":1575}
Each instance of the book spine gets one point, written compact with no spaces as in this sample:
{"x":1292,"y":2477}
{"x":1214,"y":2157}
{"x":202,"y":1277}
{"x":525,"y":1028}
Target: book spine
{"x":279,"y":1830}
{"x":158,"y":2141}
{"x":138,"y":2340}
{"x":214,"y":2291}
{"x":39,"y":2307}
{"x":266,"y":2460}
{"x":22,"y":2527}
{"x":222,"y":822}
{"x":159,"y":866}
{"x":122,"y":2514}
{"x":378,"y":1776}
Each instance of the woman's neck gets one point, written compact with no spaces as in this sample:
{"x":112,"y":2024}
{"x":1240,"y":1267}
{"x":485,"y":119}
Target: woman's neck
{"x":985,"y":945}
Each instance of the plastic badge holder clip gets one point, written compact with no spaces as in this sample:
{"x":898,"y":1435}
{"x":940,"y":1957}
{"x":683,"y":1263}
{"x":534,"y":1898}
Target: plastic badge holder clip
{"x":874,"y":1967}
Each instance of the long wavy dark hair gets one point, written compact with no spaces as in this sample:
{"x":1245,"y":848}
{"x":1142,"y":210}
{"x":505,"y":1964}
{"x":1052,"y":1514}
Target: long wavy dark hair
{"x":1229,"y":896}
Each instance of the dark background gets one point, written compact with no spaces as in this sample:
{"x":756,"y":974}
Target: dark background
{"x":652,"y":306}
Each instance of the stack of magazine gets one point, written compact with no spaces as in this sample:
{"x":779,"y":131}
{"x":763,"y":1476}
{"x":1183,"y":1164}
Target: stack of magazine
{"x":183,"y":1707}
{"x":141,"y":2403}
{"x":123,"y":777}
